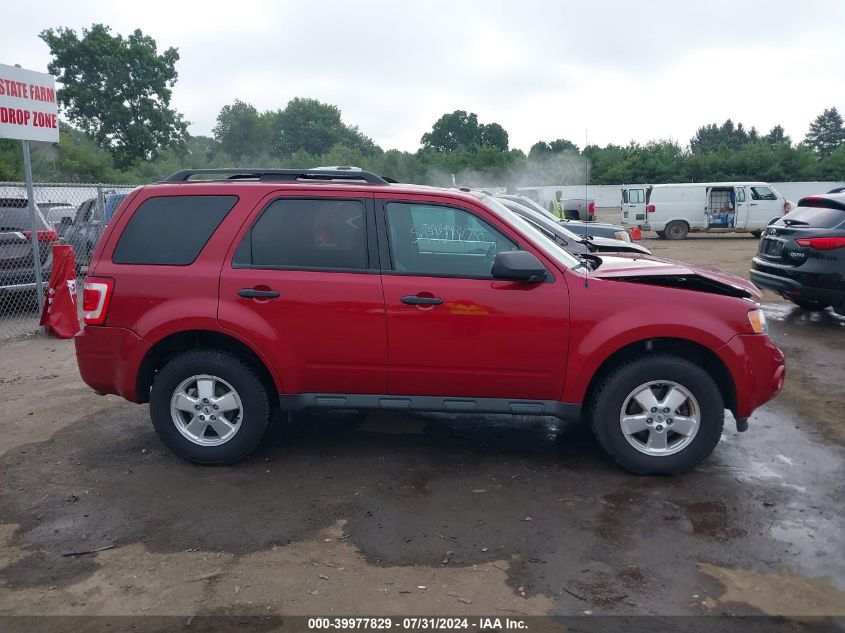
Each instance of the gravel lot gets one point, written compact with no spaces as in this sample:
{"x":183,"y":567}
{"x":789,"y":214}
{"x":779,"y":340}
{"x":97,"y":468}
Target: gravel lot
{"x":423,"y":514}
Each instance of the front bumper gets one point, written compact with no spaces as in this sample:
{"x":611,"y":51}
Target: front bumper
{"x":792,"y":283}
{"x":758,"y":370}
{"x":109,"y":359}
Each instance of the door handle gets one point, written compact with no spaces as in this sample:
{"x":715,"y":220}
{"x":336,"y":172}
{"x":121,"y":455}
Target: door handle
{"x":252,"y":293}
{"x":414,"y":300}
{"x":752,"y":204}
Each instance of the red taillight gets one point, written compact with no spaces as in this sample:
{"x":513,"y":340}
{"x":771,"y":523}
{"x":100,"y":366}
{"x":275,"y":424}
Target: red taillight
{"x":822,"y":243}
{"x":591,"y":209}
{"x":43,"y":236}
{"x":96,"y":294}
{"x":650,"y":208}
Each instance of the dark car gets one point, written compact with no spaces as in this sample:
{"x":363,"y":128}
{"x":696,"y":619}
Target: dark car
{"x":17,"y":268}
{"x":59,"y":214}
{"x":575,"y":243}
{"x":598,"y":229}
{"x":88,"y":225}
{"x":802,"y":255}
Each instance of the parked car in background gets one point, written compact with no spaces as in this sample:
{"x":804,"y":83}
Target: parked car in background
{"x":583,"y":209}
{"x":220,"y":303}
{"x":575,"y":243}
{"x":17,"y":267}
{"x":802,"y":254}
{"x":59,"y":214}
{"x":574,"y":208}
{"x":88,"y":225}
{"x":673,"y":210}
{"x":597,"y":229}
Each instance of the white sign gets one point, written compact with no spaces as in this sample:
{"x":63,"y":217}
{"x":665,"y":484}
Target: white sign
{"x":28,"y":108}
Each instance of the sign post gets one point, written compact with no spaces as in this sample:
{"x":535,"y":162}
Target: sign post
{"x":29,"y":112}
{"x":34,"y":224}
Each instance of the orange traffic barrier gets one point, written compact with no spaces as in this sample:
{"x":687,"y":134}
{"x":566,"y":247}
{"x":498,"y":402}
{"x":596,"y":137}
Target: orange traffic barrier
{"x":60,"y":314}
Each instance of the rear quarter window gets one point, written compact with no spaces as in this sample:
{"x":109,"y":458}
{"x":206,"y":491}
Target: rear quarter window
{"x":171,"y":230}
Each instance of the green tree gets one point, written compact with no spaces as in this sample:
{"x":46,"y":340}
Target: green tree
{"x":78,"y":159}
{"x":313,"y":127}
{"x":242,"y":131}
{"x":827,"y":132}
{"x":708,"y":138}
{"x":777,"y":137}
{"x":541,"y":148}
{"x":453,"y":132}
{"x":11,"y":160}
{"x":117,"y":89}
{"x":832,"y":166}
{"x":494,"y":136}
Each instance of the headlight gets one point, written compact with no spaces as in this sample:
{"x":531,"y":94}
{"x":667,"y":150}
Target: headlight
{"x":622,"y":235}
{"x":757,"y":319}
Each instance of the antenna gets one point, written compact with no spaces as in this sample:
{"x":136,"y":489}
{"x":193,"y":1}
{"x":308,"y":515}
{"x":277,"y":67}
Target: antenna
{"x":586,"y":205}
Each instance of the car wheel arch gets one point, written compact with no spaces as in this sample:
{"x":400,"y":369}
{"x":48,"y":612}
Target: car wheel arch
{"x":176,"y":343}
{"x":685,"y":348}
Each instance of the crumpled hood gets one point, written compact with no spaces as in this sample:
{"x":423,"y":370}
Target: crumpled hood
{"x":665,"y":272}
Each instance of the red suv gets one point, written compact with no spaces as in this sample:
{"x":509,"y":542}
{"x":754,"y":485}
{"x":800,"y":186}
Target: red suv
{"x":221,"y":302}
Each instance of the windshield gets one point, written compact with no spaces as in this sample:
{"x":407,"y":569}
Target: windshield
{"x":550,"y":224}
{"x":549,"y":246}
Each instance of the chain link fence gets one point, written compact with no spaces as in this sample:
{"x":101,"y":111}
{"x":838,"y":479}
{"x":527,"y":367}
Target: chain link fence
{"x":65,"y":213}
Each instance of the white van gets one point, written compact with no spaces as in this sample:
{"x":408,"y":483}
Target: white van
{"x":716,"y":207}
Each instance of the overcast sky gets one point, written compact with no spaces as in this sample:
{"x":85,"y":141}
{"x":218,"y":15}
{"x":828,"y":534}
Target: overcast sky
{"x":621,"y":70}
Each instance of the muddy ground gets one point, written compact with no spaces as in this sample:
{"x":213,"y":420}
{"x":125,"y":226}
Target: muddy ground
{"x":423,"y":514}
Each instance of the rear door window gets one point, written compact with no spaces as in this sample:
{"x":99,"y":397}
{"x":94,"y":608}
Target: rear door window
{"x":171,"y":230}
{"x":636,"y":196}
{"x":307,"y":234}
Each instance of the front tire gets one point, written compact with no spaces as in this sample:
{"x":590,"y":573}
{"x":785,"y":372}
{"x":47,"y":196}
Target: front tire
{"x":209,"y":407}
{"x":659,"y":415}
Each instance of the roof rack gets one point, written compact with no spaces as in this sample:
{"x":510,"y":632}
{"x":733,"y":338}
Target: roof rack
{"x":278,"y":175}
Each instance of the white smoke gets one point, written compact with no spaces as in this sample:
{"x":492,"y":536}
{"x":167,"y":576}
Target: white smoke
{"x":553,"y":170}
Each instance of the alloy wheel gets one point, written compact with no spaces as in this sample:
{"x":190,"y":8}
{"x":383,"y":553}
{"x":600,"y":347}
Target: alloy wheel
{"x":206,"y":410}
{"x":660,"y":418}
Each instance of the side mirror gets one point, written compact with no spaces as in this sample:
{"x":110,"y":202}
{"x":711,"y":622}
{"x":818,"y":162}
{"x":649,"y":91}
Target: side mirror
{"x":519,"y":266}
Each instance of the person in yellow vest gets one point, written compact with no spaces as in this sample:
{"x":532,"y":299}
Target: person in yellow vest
{"x":556,"y":205}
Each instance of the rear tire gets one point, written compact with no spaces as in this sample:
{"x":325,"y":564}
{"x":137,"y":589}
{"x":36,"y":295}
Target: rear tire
{"x":676,"y":230}
{"x":672,"y":442}
{"x":756,"y":234}
{"x":222,"y":390}
{"x":810,"y":306}
{"x":661,"y":235}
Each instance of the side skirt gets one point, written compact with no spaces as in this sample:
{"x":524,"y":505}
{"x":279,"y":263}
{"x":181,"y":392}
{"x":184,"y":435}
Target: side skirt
{"x":298,"y":402}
